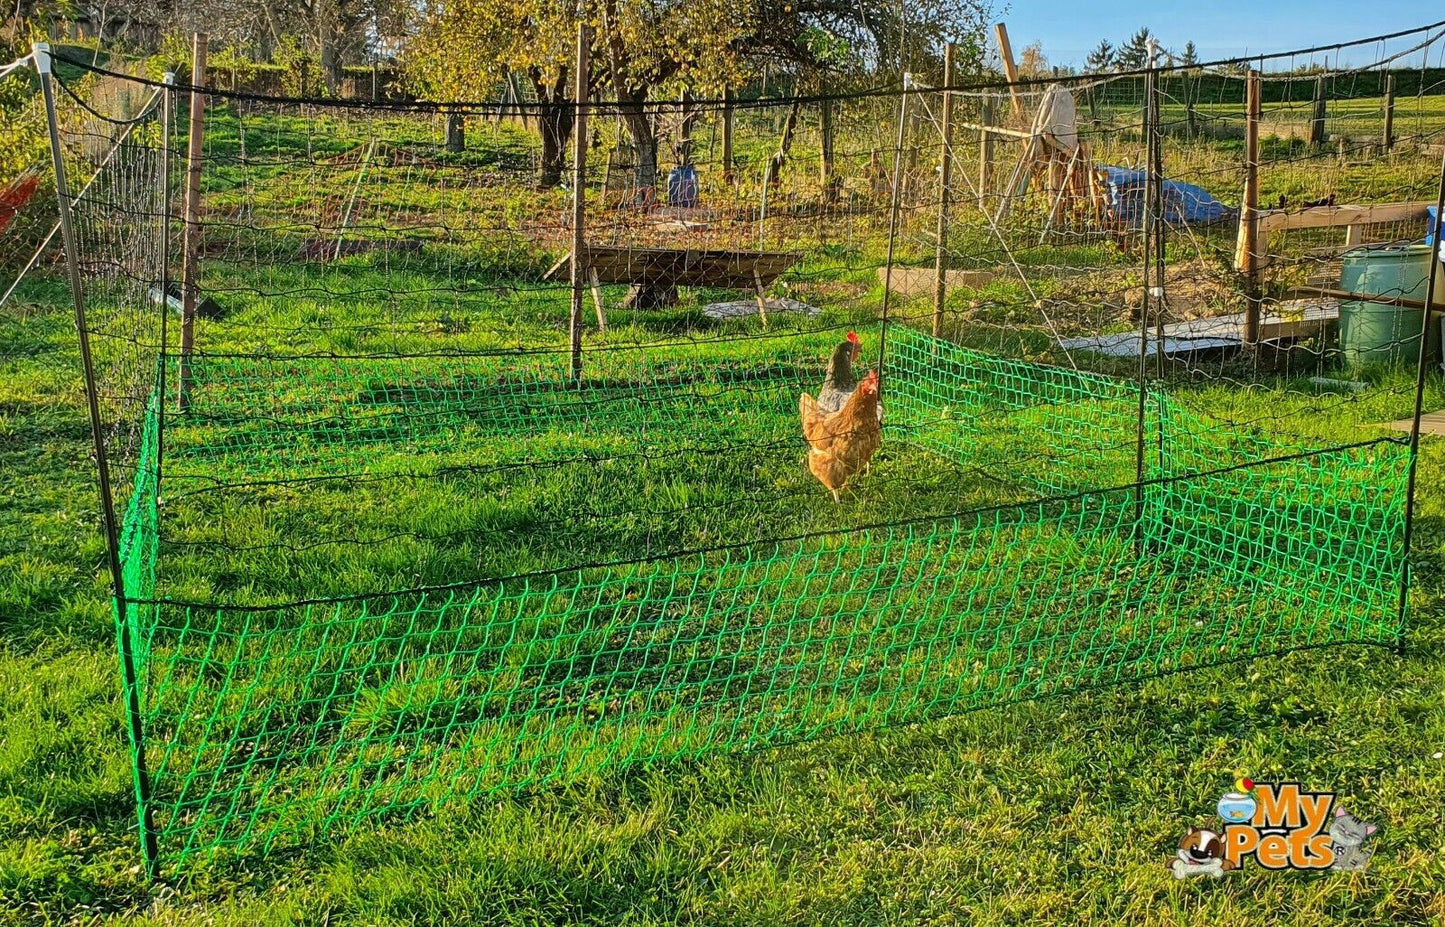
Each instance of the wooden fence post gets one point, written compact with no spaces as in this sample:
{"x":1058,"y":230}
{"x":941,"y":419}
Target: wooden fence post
{"x":940,"y":278}
{"x":1010,"y":69}
{"x":1317,"y":119}
{"x":579,"y":196}
{"x":985,"y":150}
{"x":1389,"y":135}
{"x":191,"y":255}
{"x":1249,"y":213}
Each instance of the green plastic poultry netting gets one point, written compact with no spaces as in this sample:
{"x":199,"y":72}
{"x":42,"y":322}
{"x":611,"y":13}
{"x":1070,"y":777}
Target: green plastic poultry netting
{"x":273,"y":709}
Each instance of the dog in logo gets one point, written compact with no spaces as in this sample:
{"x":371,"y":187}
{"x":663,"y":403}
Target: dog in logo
{"x":1201,"y":853}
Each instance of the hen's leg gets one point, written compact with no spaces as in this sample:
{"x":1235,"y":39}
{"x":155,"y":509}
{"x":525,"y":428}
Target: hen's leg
{"x":836,"y":500}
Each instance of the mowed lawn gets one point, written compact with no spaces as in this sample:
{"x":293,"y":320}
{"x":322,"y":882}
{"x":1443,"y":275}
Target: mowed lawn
{"x":1063,"y":810}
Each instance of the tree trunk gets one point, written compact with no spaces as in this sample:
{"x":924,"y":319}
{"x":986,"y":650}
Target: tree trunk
{"x":684,"y":132}
{"x":556,"y":124}
{"x":648,"y":295}
{"x":631,"y":102}
{"x":330,"y":60}
{"x":456,"y":132}
{"x":826,"y":176}
{"x":644,"y":145}
{"x":785,"y":146}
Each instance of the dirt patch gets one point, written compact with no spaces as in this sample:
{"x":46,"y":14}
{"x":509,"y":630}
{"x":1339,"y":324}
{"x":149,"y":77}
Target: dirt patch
{"x":1192,"y":290}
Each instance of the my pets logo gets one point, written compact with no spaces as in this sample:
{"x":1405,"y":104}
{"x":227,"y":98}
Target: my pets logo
{"x":1280,"y":825}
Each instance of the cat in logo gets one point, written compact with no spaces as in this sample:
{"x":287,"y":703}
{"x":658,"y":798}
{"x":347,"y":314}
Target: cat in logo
{"x":1347,"y":841}
{"x":1201,"y":852}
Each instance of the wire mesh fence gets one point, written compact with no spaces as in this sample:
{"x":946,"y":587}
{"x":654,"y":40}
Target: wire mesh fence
{"x":413,"y":537}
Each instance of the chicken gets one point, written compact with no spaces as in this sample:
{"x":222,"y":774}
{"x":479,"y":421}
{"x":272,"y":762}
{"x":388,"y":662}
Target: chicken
{"x":840,"y":382}
{"x":843,"y":442}
{"x":14,"y":197}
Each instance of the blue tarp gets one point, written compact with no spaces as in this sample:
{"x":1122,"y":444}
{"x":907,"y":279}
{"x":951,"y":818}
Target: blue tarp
{"x":1184,"y":203}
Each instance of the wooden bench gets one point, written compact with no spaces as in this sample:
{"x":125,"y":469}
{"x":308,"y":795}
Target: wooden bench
{"x":662,"y":270}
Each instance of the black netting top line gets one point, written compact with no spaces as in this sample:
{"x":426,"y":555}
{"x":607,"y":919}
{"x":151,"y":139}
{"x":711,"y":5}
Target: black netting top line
{"x":885,"y":91}
{"x":145,"y":113}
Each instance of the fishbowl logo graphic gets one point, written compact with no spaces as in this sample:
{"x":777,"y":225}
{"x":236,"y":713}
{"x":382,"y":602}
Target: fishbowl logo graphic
{"x":1238,"y":806}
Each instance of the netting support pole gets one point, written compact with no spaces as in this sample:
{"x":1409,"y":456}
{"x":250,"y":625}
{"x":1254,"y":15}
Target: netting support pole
{"x":1435,"y":272}
{"x":1248,"y":247}
{"x":579,"y":196}
{"x":1161,"y":227}
{"x":42,"y":59}
{"x":1151,"y":231}
{"x":191,"y":259}
{"x":893,"y":219}
{"x":163,"y":263}
{"x":940,"y":254}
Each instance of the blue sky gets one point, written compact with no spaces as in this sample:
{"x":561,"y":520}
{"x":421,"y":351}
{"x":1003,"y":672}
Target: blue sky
{"x":1068,"y":29}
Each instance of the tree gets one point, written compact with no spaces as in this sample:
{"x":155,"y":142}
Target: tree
{"x":1190,"y":57}
{"x":465,"y":49}
{"x":644,"y":51}
{"x":1032,"y":62}
{"x":1101,"y":58}
{"x":1133,"y":54}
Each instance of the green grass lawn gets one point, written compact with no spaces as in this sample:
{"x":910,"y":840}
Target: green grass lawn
{"x":1058,"y":810}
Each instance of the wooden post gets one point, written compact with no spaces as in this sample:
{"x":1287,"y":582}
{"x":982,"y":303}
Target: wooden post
{"x":762,"y":297}
{"x":1249,"y":212}
{"x":1389,"y":135}
{"x":191,"y":255}
{"x":596,"y":286}
{"x":727,"y":137}
{"x":985,"y":150}
{"x":1317,"y":120}
{"x":579,"y":195}
{"x":940,"y":286}
{"x":1010,"y":69}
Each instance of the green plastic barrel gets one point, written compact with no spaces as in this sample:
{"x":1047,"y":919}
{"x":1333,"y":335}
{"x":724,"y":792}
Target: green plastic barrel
{"x":1375,"y":333}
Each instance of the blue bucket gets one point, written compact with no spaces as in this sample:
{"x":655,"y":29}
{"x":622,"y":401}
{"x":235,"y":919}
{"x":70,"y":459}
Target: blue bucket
{"x":1432,"y":225}
{"x":682,"y":186}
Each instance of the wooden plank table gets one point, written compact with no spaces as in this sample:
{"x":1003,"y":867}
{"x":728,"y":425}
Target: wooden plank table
{"x":1431,"y":423}
{"x":668,"y":267}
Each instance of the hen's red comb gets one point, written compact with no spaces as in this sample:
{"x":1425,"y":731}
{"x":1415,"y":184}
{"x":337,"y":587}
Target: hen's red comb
{"x":853,"y":337}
